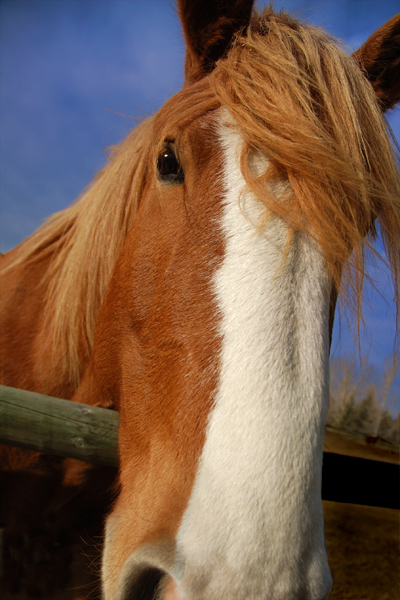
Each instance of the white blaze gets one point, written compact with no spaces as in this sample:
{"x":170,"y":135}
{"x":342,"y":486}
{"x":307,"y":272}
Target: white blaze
{"x":253,"y":529}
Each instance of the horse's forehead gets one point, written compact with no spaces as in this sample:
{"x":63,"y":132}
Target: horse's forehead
{"x":196,"y":128}
{"x":193,"y":108}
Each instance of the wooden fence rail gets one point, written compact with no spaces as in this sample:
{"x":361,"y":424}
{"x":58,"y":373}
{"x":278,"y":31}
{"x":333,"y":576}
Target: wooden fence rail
{"x":68,"y":429}
{"x":60,"y":427}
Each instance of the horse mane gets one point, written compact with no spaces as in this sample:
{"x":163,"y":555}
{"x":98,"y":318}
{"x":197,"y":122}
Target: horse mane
{"x":297,"y":97}
{"x":83,"y":242}
{"x":302,"y":101}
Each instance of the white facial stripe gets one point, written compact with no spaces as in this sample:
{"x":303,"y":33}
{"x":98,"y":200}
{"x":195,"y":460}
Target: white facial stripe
{"x":254,"y":526}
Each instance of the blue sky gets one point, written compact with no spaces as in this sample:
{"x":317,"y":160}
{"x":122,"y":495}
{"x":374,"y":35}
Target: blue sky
{"x":73,"y":72}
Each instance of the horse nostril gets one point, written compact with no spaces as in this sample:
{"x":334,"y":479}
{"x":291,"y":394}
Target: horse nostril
{"x":146,"y":585}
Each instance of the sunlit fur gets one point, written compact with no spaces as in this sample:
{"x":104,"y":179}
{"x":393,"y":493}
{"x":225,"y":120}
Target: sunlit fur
{"x":297,"y":97}
{"x":241,"y":536}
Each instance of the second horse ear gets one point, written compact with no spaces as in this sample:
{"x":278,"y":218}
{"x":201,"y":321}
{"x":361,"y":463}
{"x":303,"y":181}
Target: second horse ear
{"x":380,"y":59}
{"x":209,"y":27}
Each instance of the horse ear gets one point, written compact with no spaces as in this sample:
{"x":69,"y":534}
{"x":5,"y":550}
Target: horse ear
{"x":209,"y":27}
{"x":380,"y":59}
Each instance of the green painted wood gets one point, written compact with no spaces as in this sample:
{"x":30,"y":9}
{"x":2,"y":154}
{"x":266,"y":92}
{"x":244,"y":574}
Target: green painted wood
{"x":60,"y":427}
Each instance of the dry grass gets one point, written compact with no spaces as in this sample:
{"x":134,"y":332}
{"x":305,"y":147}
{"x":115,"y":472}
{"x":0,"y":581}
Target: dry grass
{"x":363,"y":550}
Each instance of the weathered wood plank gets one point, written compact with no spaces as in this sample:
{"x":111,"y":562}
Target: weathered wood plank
{"x":59,"y":427}
{"x":89,"y":433}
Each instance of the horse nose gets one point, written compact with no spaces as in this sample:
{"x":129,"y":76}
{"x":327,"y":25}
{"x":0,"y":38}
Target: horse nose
{"x":171,"y":592}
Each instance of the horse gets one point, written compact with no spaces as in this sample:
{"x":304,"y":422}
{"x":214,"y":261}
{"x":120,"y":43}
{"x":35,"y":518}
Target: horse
{"x":192,"y":287}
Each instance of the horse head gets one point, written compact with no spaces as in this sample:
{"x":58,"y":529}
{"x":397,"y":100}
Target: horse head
{"x":252,"y":188}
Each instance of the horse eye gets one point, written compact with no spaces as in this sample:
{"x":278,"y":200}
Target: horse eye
{"x":168,"y":167}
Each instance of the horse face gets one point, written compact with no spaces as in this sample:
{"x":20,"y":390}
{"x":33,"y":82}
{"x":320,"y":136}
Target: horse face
{"x":213,"y":342}
{"x":201,"y":341}
{"x":168,"y":343}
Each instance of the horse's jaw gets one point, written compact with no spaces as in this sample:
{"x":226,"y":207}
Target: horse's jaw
{"x":253,"y":525}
